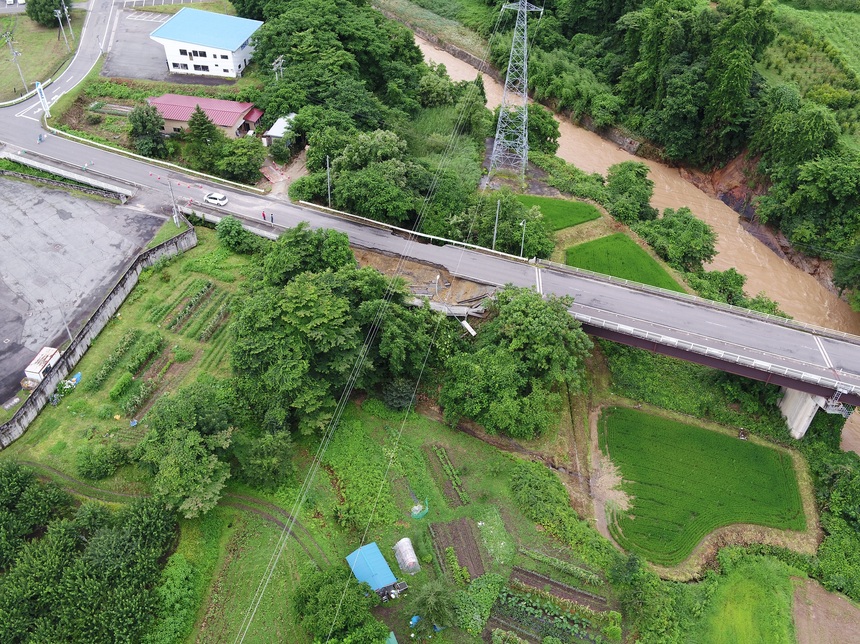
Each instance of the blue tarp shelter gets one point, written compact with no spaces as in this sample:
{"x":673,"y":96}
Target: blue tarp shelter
{"x":368,"y":565}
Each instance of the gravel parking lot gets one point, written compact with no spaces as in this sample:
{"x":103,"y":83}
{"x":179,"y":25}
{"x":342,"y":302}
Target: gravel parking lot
{"x":59,"y":257}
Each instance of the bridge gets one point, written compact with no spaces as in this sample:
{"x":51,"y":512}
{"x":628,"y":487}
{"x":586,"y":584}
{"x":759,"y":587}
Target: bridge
{"x":820,"y":368}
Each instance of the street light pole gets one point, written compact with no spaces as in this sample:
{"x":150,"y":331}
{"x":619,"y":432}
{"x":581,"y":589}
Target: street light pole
{"x":15,"y":54}
{"x":523,"y":242}
{"x":496,"y":227}
{"x":328,"y":179}
{"x":59,"y":16}
{"x":68,"y":19}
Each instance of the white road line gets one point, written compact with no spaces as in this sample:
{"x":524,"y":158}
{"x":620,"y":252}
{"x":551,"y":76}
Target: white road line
{"x":823,"y":352}
{"x":109,"y":43}
{"x":538,"y":285}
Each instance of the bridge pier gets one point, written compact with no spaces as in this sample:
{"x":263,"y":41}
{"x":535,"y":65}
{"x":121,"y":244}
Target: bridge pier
{"x":798,"y":408}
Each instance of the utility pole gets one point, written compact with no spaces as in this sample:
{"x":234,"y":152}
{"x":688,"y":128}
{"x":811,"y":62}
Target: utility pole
{"x":59,"y":15}
{"x":15,"y":54}
{"x":173,"y":203}
{"x":68,"y":19}
{"x":511,"y":145}
{"x":328,"y":178}
{"x":523,"y":242}
{"x":496,"y":227}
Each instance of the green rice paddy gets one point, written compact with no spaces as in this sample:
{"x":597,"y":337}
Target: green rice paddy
{"x":561,"y":213}
{"x":685,"y":481}
{"x":620,"y":256}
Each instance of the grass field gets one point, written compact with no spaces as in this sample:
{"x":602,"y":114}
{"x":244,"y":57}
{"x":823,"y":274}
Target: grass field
{"x":685,"y":481}
{"x":42,"y":54}
{"x":620,"y":256}
{"x":561,"y":213}
{"x":753,"y":603}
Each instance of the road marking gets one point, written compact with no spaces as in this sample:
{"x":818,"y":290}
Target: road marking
{"x":110,"y":41}
{"x":538,"y":281}
{"x":823,"y":352}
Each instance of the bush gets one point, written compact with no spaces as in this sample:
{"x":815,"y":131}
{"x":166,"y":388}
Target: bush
{"x":397,"y":393}
{"x":122,"y":385}
{"x":234,"y":237}
{"x":472,"y":606}
{"x":100,"y":462}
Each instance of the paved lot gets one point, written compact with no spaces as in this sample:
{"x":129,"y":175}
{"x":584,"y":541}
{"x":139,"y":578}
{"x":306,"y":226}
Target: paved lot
{"x":135,"y":55}
{"x":59,"y":257}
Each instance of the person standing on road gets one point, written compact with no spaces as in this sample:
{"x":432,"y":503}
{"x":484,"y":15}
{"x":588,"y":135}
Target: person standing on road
{"x":264,"y":215}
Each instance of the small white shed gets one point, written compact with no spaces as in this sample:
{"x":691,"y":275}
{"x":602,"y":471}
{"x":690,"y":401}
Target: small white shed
{"x":42,"y":364}
{"x":405,"y":554}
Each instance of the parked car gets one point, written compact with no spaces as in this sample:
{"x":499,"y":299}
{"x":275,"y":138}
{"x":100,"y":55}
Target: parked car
{"x":9,"y":3}
{"x":215,"y":199}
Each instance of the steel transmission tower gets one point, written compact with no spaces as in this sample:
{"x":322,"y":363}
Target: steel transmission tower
{"x":511,"y":146}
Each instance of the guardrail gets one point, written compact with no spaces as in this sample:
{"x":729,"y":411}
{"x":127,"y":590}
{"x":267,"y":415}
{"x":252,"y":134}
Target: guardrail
{"x":695,"y":299}
{"x":726,"y":356}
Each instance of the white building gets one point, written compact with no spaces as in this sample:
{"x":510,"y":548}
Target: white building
{"x":206,"y":44}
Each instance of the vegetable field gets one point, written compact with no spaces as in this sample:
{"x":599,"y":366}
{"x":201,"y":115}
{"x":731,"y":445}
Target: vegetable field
{"x":561,"y":213}
{"x":685,"y":481}
{"x":620,"y":256}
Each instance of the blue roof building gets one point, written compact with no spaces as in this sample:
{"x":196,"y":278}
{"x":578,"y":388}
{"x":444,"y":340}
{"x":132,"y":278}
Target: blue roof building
{"x":205,"y":43}
{"x":368,"y":565}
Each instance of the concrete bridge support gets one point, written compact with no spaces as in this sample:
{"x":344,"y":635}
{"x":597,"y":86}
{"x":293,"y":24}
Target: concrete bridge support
{"x":798,"y":408}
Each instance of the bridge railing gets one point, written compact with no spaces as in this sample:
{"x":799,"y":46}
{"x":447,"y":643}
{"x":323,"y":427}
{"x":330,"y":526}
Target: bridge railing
{"x":695,"y":299}
{"x":727,"y":356}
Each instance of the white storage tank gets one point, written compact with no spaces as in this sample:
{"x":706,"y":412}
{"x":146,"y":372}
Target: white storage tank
{"x":405,"y":554}
{"x":42,"y":364}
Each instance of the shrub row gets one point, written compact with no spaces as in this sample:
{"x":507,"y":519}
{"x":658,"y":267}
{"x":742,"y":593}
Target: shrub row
{"x":110,"y":363}
{"x":158,"y":313}
{"x":149,"y":347}
{"x":451,"y":473}
{"x":564,"y":566}
{"x":214,"y":322}
{"x":121,"y":386}
{"x":458,"y":572}
{"x":544,"y":617}
{"x":203,"y":292}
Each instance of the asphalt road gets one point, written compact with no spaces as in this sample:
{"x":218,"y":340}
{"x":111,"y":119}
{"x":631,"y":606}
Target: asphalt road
{"x":756,"y":340}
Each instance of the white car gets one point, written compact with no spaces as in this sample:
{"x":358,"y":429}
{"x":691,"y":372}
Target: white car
{"x":215,"y":199}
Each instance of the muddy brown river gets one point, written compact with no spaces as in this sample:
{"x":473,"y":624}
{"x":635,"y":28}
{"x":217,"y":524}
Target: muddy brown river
{"x":798,"y":293}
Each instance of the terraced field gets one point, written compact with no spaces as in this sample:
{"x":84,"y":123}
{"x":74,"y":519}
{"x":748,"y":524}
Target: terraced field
{"x":685,"y":481}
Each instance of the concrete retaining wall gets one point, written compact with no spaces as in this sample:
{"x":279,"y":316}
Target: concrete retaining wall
{"x":15,"y":427}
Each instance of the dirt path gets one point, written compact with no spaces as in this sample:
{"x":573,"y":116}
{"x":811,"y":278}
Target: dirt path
{"x":230,"y":499}
{"x":821,"y":616}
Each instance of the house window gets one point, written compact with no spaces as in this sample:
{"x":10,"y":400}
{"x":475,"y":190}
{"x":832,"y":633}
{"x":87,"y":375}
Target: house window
{"x":183,"y":52}
{"x":180,"y":66}
{"x":175,"y":65}
{"x":199,"y":54}
{"x":201,"y":68}
{"x":224,"y":56}
{"x":177,"y":129}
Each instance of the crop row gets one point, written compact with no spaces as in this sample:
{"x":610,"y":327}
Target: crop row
{"x":458,"y":572}
{"x":214,"y":321}
{"x":204,"y":314}
{"x":544,"y":617}
{"x":195,"y":300}
{"x":125,"y":343}
{"x":451,"y":473}
{"x":150,"y":345}
{"x":564,"y":566}
{"x":157,"y":314}
{"x":140,"y":395}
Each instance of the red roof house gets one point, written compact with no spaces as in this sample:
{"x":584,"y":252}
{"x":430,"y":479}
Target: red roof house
{"x":233,"y":117}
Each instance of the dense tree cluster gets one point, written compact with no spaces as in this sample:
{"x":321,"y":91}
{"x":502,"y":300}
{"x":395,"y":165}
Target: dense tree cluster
{"x":510,"y":380}
{"x":301,"y":328}
{"x":83,"y":575}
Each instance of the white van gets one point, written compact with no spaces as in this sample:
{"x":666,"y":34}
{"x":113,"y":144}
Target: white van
{"x":11,"y":2}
